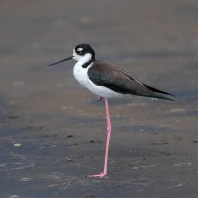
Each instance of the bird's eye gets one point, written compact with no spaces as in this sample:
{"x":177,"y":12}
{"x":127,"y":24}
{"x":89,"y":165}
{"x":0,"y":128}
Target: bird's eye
{"x":79,"y":52}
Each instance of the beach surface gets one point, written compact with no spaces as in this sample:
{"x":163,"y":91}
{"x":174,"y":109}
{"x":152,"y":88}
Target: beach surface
{"x":53,"y":131}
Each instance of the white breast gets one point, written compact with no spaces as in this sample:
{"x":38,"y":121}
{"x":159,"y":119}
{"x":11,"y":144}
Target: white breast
{"x":81,"y":76}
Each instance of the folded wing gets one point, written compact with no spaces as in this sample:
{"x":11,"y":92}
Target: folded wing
{"x":118,"y":80}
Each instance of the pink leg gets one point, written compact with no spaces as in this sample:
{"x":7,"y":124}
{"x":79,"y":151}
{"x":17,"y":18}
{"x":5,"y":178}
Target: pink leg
{"x":107,"y":142}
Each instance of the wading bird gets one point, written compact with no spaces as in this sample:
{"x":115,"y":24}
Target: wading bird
{"x":107,"y":81}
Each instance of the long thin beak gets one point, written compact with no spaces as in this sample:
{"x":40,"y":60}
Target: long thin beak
{"x":69,"y":58}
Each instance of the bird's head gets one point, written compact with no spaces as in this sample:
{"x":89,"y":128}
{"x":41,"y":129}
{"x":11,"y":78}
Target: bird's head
{"x":83,"y":53}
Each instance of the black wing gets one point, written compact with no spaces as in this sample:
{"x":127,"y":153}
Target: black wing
{"x":118,"y":80}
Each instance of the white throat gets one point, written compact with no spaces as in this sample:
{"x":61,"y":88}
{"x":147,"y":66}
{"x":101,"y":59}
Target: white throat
{"x":79,"y":72}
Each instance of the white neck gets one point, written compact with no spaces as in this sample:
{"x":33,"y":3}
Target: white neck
{"x":84,"y":59}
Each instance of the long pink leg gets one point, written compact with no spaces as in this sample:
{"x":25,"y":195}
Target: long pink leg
{"x":107,"y":142}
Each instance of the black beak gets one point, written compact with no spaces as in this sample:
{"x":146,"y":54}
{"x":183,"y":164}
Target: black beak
{"x":69,"y":58}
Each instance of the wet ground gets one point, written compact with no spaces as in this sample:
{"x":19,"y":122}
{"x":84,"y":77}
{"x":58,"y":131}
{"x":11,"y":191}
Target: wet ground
{"x":53,"y":132}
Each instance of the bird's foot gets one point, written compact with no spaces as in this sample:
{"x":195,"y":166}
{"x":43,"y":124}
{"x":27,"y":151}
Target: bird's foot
{"x":98,"y":175}
{"x":100,"y":99}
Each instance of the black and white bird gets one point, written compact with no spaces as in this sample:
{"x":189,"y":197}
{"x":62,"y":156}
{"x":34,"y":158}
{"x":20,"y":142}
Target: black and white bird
{"x":107,"y":81}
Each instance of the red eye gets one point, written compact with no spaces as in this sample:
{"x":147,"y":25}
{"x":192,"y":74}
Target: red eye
{"x":79,"y":52}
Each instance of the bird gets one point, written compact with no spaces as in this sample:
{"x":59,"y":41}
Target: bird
{"x":107,"y":80}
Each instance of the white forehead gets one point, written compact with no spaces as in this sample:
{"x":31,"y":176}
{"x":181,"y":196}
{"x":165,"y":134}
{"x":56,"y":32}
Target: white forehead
{"x":79,"y":49}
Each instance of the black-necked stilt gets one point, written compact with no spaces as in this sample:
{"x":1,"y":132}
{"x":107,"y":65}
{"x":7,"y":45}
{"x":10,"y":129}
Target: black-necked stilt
{"x":107,"y":81}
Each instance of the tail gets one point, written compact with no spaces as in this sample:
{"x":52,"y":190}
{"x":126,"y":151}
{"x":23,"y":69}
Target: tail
{"x":157,"y":90}
{"x":158,"y":96}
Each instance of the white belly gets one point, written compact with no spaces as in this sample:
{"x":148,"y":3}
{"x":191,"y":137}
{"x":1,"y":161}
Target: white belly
{"x":81,"y":76}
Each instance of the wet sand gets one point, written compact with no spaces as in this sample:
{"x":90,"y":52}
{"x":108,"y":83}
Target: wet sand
{"x":53,"y":131}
